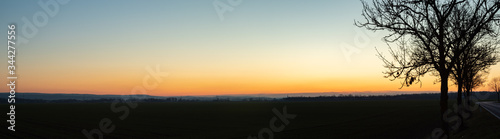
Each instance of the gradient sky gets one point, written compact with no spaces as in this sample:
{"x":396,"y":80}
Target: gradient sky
{"x":262,"y":46}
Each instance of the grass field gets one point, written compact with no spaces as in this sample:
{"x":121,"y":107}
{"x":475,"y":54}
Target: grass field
{"x":346,"y":119}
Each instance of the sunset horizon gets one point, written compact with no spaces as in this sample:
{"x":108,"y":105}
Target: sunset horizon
{"x":250,"y":69}
{"x":247,"y":51}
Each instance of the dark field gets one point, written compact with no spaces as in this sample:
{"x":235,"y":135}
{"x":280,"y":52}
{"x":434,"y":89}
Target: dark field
{"x":347,"y":119}
{"x":483,"y":125}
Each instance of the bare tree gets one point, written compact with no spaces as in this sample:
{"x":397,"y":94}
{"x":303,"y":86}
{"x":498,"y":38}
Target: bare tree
{"x":470,"y":70}
{"x":495,"y":85}
{"x":475,"y":51}
{"x":475,"y":66}
{"x":426,"y":34}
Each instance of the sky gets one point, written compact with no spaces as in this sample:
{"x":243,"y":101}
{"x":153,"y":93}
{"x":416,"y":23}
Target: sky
{"x":234,"y":47}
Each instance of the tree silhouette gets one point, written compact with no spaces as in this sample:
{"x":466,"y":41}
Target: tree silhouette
{"x":495,"y":85}
{"x":470,"y":70}
{"x":430,"y":36}
{"x":475,"y":67}
{"x":475,"y":52}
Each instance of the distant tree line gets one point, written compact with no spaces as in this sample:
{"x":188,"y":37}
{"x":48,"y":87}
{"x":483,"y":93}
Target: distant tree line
{"x":349,"y":97}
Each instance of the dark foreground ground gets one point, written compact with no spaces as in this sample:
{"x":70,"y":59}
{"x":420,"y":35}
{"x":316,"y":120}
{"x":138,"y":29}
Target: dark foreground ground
{"x":347,"y":119}
{"x":482,"y":125}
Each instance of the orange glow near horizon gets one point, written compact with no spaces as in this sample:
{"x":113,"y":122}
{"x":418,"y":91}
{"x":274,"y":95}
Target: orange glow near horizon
{"x":196,"y":86}
{"x":269,"y":74}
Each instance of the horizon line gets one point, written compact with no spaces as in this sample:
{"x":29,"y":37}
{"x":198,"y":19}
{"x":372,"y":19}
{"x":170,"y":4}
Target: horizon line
{"x":264,"y":94}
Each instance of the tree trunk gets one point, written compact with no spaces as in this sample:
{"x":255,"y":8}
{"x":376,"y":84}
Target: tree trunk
{"x":459,"y":92}
{"x":467,"y":103}
{"x":467,"y":97}
{"x":444,"y":101}
{"x":459,"y":98}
